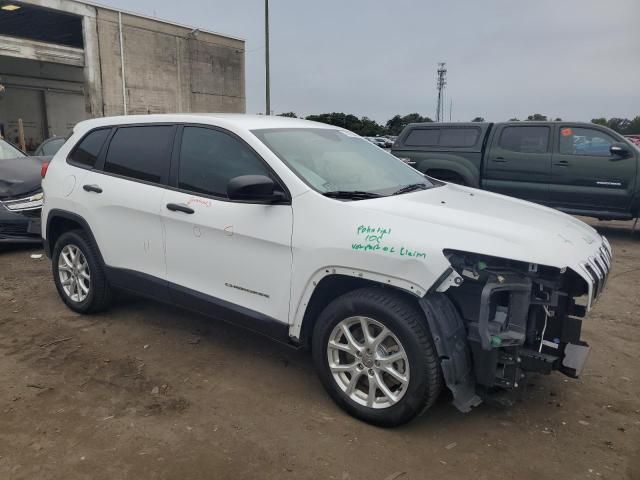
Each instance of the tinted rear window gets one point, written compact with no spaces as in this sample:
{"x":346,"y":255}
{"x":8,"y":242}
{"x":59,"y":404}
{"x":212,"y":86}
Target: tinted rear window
{"x":141,"y":153}
{"x":87,"y":151}
{"x":423,"y":137}
{"x":525,"y":139}
{"x":444,"y":137}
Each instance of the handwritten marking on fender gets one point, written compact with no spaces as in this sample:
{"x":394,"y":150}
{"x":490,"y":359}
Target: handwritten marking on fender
{"x":373,"y":239}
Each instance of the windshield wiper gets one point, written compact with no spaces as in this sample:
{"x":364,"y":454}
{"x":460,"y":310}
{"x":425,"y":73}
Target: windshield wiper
{"x":411,"y":188}
{"x":351,"y":194}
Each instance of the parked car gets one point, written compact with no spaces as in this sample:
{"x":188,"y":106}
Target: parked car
{"x":384,"y":142}
{"x":50,"y":146}
{"x":400,"y":284}
{"x":378,"y":141}
{"x":579,"y":168}
{"x":20,"y":195}
{"x":635,"y":139}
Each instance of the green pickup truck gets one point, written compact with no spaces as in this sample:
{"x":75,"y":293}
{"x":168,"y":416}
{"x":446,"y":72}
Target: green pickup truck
{"x":579,"y":168}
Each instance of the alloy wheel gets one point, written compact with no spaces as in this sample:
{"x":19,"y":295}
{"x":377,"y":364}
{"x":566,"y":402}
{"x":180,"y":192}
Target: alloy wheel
{"x":368,"y":362}
{"x":74,"y":274}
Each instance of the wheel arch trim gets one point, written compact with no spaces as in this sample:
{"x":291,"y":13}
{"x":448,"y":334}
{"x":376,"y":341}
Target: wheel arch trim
{"x":74,"y":217}
{"x":383,"y":280}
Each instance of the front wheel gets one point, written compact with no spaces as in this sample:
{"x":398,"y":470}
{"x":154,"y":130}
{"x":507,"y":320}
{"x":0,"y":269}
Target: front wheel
{"x":374,"y":354}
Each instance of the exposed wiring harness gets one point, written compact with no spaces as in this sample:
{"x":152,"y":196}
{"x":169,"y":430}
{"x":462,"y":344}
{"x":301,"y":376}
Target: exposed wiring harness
{"x":547,"y":314}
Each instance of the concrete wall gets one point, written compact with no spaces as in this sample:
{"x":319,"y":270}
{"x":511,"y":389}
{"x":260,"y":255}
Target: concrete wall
{"x":166,"y":68}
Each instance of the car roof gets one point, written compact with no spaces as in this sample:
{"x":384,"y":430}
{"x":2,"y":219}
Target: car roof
{"x":236,"y":120}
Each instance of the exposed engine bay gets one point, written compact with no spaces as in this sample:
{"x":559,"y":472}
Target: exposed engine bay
{"x":521,"y":317}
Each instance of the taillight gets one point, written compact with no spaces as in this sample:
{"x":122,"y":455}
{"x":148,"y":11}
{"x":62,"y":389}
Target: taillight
{"x":43,"y":169}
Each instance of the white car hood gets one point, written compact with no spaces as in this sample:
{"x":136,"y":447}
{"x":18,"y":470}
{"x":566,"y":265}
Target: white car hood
{"x":472,"y":220}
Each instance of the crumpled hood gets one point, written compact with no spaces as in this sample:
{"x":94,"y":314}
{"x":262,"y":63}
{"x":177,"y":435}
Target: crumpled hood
{"x":467,"y":219}
{"x":20,"y":176}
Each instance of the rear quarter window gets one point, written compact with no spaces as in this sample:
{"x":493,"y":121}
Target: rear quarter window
{"x":86,"y":152}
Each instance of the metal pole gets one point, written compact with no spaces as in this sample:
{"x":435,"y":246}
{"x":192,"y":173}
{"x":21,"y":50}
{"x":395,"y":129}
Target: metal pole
{"x":266,"y":59}
{"x":124,"y":84}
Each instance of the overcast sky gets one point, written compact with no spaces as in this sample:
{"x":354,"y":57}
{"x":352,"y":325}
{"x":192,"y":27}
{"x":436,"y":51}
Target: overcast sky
{"x":575,"y":59}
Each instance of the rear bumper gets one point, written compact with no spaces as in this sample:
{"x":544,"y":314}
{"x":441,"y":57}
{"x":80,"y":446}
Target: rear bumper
{"x":20,"y":227}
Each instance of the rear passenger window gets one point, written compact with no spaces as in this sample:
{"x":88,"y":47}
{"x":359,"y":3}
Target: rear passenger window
{"x":525,"y":139}
{"x":423,"y":137}
{"x":141,"y":153}
{"x":210,"y":158}
{"x":87,"y":151}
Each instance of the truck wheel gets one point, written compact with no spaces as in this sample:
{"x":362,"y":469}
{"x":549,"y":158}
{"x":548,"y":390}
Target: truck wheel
{"x":78,"y":273}
{"x":374,"y":354}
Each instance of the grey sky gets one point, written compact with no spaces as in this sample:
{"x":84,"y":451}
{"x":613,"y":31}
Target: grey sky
{"x":576,"y":59}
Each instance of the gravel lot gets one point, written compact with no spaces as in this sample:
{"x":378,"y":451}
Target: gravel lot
{"x":148,"y":391}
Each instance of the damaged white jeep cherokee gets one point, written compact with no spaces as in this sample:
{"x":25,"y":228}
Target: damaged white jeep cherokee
{"x":401,"y":284}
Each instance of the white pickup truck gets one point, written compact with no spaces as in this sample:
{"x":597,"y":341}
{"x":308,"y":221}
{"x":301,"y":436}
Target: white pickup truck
{"x":401,"y":284}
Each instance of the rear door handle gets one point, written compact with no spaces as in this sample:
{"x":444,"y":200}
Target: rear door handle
{"x":180,"y":207}
{"x":562,"y":163}
{"x":500,"y":159}
{"x":92,"y":188}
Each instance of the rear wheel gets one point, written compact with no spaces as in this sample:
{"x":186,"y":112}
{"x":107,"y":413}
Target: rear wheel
{"x":374,"y":355}
{"x":78,"y":273}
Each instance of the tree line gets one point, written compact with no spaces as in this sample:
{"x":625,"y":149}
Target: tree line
{"x":370,"y":128}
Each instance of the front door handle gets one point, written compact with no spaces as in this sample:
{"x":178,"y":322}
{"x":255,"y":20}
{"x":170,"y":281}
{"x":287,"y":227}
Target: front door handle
{"x":92,"y":188}
{"x":562,"y":163}
{"x":500,"y":159}
{"x":180,"y":207}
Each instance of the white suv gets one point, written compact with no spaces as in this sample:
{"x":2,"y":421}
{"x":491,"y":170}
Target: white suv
{"x":399,"y":283}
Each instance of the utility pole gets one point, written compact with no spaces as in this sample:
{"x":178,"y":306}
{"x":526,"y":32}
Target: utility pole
{"x":442,"y":81}
{"x":266,"y":59}
{"x":450,"y":108}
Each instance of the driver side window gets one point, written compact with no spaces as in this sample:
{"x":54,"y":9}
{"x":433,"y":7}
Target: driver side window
{"x":210,"y":158}
{"x":585,"y":141}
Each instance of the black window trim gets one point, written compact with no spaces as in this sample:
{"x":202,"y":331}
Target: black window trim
{"x":550,"y":134}
{"x":170,"y":182}
{"x":175,"y":167}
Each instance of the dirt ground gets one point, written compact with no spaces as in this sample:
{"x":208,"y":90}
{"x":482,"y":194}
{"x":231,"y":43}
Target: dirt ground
{"x":150,"y":392}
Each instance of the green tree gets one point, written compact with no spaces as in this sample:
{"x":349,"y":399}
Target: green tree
{"x":397,"y":123}
{"x":514,"y":119}
{"x":478,"y":119}
{"x":557,"y":119}
{"x":599,"y":121}
{"x":288,"y":114}
{"x":620,"y":125}
{"x":537,"y":117}
{"x":362,"y":126}
{"x":634,"y":126}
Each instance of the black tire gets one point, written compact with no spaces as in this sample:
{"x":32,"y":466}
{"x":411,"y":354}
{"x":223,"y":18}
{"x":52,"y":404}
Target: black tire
{"x":406,"y":321}
{"x":99,"y":295}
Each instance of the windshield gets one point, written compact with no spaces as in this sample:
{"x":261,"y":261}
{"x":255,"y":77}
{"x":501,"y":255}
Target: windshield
{"x":9,"y":151}
{"x":331,"y":160}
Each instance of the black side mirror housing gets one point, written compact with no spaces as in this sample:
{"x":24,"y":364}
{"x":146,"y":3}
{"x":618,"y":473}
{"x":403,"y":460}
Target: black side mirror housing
{"x":620,"y":150}
{"x":254,"y":188}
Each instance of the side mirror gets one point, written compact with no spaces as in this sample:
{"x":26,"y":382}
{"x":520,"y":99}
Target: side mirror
{"x":254,"y":188}
{"x":620,"y":150}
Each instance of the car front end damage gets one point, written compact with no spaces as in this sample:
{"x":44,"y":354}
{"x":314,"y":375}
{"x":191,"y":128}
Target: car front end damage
{"x":517,"y":318}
